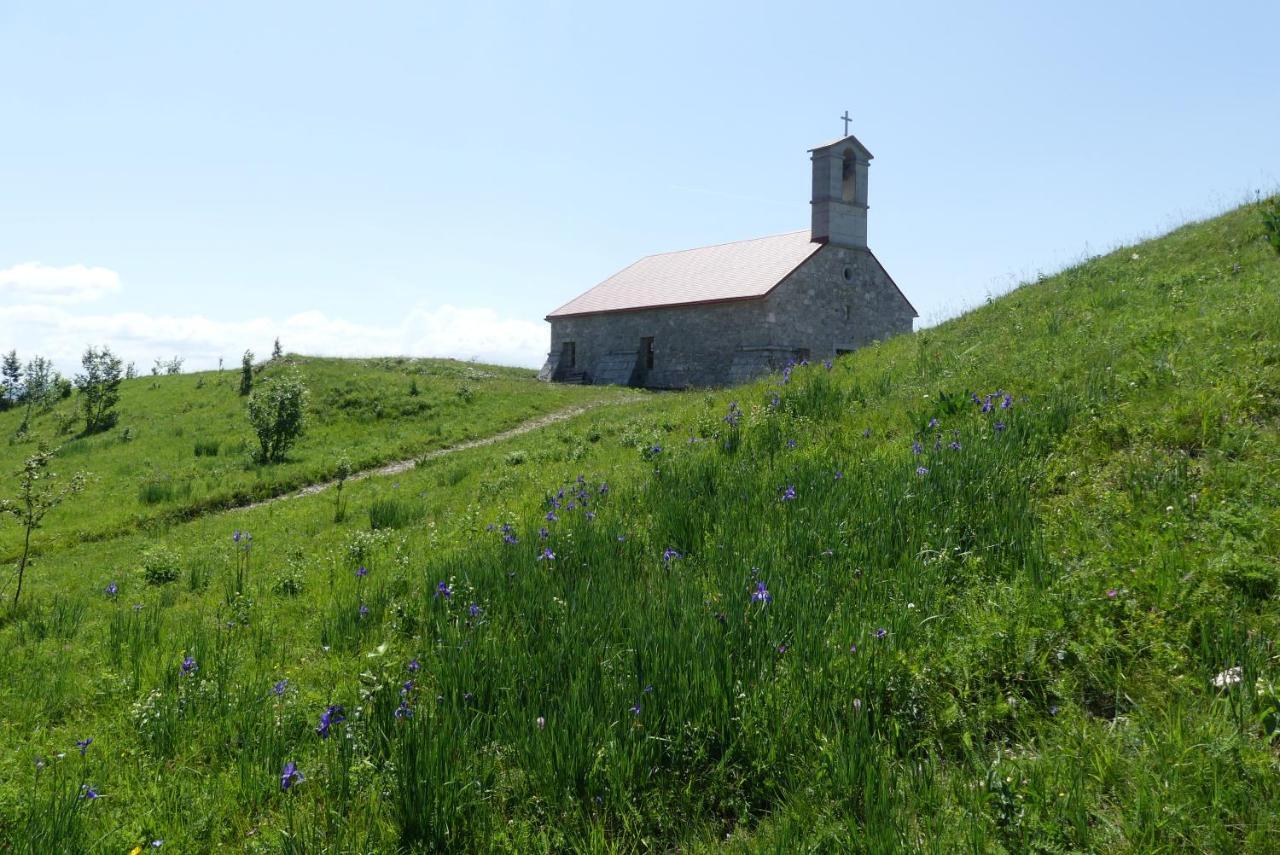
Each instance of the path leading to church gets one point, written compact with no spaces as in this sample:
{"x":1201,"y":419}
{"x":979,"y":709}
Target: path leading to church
{"x":405,"y":465}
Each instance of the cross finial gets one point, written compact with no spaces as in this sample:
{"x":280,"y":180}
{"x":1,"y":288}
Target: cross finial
{"x":847,"y":120}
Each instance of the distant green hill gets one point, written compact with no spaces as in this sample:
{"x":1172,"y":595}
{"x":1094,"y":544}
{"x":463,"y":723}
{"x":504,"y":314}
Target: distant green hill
{"x":1009,"y":584}
{"x":181,"y":446}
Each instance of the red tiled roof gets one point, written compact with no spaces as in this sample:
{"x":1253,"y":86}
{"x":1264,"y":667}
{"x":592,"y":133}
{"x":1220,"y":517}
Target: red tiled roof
{"x":729,"y":271}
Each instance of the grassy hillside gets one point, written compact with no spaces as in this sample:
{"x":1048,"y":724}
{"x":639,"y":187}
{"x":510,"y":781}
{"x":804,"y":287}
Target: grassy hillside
{"x":182,"y":443}
{"x":1006,"y":585}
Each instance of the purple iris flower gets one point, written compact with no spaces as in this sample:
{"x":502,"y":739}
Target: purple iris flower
{"x":551,"y":516}
{"x":590,"y":515}
{"x":604,"y":489}
{"x":866,"y":434}
{"x":443,"y":590}
{"x":543,"y":533}
{"x":510,"y":539}
{"x":881,"y":632}
{"x":839,"y":474}
{"x":827,"y":363}
{"x":362,"y":571}
{"x":648,"y":690}
{"x":789,"y":494}
{"x":636,"y":708}
{"x":83,"y":745}
{"x":853,"y":648}
{"x":475,"y":609}
{"x":111,"y":590}
{"x":331,"y":716}
{"x":761,"y":594}
{"x":986,"y":405}
{"x":1006,"y":402}
{"x":88,"y":792}
{"x":235,"y":537}
{"x":922,"y":471}
{"x":955,"y":445}
{"x":363,"y":610}
{"x":933,"y":423}
{"x":1000,"y":425}
{"x":189,"y":666}
{"x":916,"y":448}
{"x":403,"y":711}
{"x":414,"y":666}
{"x":791,"y":443}
{"x":670,"y":555}
{"x":290,"y":776}
{"x":547,"y":554}
{"x":279,"y":688}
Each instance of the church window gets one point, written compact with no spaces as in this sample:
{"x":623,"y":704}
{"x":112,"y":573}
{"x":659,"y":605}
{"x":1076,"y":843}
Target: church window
{"x":846,"y":311}
{"x":848,"y":274}
{"x":646,"y":352}
{"x":848,"y":176}
{"x":569,"y":354}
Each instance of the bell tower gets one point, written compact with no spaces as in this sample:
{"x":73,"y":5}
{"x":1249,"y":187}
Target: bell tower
{"x":840,"y":193}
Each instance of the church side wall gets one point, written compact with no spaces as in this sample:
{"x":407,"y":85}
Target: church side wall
{"x":819,"y":309}
{"x":692,"y":345}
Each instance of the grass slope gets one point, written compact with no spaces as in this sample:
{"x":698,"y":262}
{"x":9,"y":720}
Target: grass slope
{"x":815,"y":621}
{"x":182,"y":443}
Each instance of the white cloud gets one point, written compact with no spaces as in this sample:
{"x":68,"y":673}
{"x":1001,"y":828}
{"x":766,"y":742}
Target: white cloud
{"x":75,"y":283}
{"x":463,"y":333}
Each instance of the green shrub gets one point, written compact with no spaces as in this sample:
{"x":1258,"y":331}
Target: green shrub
{"x":278,"y":414}
{"x":160,"y":566}
{"x":1256,"y":579}
{"x":1271,"y":222}
{"x":514,"y":458}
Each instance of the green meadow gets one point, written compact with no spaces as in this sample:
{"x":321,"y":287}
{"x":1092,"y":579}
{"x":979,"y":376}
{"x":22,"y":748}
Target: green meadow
{"x":1009,"y":584}
{"x":182,"y":445}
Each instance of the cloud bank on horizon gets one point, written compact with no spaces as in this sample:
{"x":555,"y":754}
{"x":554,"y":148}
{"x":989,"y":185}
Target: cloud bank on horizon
{"x":42,"y":312}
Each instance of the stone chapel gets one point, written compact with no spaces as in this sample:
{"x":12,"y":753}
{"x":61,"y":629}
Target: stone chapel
{"x":725,"y":314}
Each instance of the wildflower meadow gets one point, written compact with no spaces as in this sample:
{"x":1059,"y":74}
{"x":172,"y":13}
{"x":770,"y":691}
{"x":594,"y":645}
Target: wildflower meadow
{"x":1008,"y":584}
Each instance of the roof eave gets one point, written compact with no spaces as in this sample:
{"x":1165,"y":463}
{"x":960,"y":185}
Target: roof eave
{"x":554,"y":316}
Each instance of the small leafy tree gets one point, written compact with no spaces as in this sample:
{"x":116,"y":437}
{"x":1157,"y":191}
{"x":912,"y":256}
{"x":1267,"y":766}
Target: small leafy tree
{"x":276,"y":350}
{"x":342,"y":473}
{"x":99,"y":387}
{"x":278,"y":414}
{"x":11,"y":377}
{"x":1271,"y":222}
{"x":131,"y":372}
{"x":39,"y":386}
{"x":38,"y":493}
{"x":246,"y":373}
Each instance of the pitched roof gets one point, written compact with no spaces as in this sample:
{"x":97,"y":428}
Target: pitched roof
{"x":710,"y":274}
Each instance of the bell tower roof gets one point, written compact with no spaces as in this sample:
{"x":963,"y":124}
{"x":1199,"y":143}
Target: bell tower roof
{"x":860,"y":150}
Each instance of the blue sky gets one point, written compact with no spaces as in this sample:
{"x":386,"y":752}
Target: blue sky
{"x":194,"y":179}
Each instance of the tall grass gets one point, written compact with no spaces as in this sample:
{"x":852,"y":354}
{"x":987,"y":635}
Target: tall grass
{"x":867,"y":608}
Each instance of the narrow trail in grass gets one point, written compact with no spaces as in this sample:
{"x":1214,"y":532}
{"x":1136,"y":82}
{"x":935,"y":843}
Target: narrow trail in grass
{"x":404,"y":465}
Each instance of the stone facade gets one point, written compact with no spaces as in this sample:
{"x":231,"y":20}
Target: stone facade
{"x":839,"y":300}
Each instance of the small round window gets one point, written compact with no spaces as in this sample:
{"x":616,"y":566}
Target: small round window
{"x":848,"y":274}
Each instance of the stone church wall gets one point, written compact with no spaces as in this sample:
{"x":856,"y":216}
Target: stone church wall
{"x":839,"y":299}
{"x":823,"y":310}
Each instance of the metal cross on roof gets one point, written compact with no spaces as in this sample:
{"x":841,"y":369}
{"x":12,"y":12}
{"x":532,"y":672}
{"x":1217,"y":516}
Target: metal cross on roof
{"x":847,"y":120}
